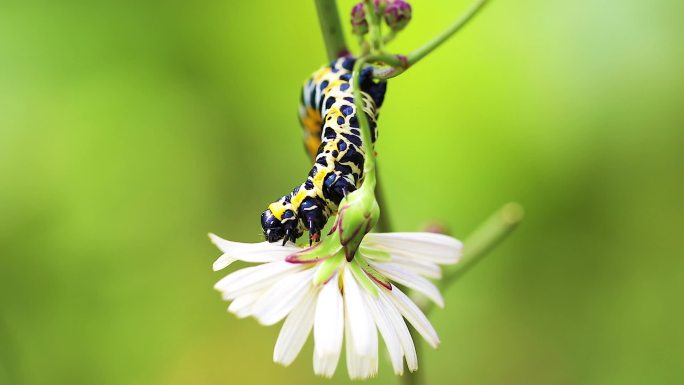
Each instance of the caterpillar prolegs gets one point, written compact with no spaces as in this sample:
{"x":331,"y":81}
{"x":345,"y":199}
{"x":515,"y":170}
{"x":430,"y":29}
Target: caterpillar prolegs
{"x":332,"y":137}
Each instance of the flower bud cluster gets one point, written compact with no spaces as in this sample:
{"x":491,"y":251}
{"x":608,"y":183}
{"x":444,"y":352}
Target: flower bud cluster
{"x":396,"y":13}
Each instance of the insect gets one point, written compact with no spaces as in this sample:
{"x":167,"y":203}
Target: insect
{"x":332,"y":137}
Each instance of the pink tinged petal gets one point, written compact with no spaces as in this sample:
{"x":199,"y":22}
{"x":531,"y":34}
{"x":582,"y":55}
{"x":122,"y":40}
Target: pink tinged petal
{"x":277,"y":302}
{"x":411,"y":280}
{"x":389,"y":335}
{"x":314,"y":254}
{"x":414,"y":316}
{"x":438,"y":248}
{"x":253,"y":278}
{"x":249,"y":252}
{"x":296,"y":329}
{"x":397,"y":322}
{"x":328,"y":329}
{"x":362,"y":336}
{"x":373,"y":274}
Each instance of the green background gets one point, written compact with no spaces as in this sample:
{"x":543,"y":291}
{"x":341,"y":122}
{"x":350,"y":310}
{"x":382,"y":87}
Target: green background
{"x":130,"y":129}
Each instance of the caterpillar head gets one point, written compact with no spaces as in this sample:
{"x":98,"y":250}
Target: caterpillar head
{"x":273,"y":228}
{"x":276,"y":229}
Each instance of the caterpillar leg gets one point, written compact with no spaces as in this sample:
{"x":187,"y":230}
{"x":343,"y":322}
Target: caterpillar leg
{"x":291,"y":231}
{"x":312,"y":213}
{"x":337,"y":187}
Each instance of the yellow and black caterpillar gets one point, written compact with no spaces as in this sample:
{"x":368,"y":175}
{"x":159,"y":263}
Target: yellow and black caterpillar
{"x":332,"y":136}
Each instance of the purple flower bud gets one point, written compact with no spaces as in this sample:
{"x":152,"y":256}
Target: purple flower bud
{"x":398,"y":14}
{"x":358,"y":20}
{"x":379,"y":3}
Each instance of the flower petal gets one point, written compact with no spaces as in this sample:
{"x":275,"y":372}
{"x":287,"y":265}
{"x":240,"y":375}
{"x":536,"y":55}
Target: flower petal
{"x":389,"y":335}
{"x":242,"y":305}
{"x":296,"y":329}
{"x":249,"y":252}
{"x":277,"y":302}
{"x":414,"y":315}
{"x":437,"y":248}
{"x":328,"y":329}
{"x":397,"y":322}
{"x":253,"y":278}
{"x":411,"y":280}
{"x":362,"y":336}
{"x":425,"y":268}
{"x":222,"y":262}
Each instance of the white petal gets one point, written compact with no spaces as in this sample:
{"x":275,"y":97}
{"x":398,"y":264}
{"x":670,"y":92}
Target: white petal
{"x":419,"y":266}
{"x":437,"y":248}
{"x":362,"y":336}
{"x":296,"y":329}
{"x":410,"y":280}
{"x":250,"y":252}
{"x":242,"y":305}
{"x":254,"y":278}
{"x":222,"y":262}
{"x":277,"y":302}
{"x":399,"y":326}
{"x":387,"y":331}
{"x":328,"y":329}
{"x":414,"y":315}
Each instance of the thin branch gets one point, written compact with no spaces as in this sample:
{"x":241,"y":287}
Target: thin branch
{"x":373,"y":26}
{"x":369,"y":163}
{"x":384,"y":224}
{"x":487,"y":236}
{"x":420,"y":53}
{"x":399,"y":66}
{"x":331,"y":29}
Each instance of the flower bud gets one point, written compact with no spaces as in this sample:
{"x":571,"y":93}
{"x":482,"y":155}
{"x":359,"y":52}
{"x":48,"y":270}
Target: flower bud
{"x":379,"y":4}
{"x":397,"y":15}
{"x":358,"y":20}
{"x":358,"y":213}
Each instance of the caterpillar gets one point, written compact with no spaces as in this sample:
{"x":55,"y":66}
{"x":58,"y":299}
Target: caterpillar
{"x":332,"y":137}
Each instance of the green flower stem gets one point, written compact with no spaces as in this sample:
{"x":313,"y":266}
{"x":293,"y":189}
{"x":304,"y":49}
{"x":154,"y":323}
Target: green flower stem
{"x":489,"y":234}
{"x":384,"y":224}
{"x":369,"y":164}
{"x":430,"y":46}
{"x":479,"y":243}
{"x":373,"y":26}
{"x":415,"y":56}
{"x":331,"y":29}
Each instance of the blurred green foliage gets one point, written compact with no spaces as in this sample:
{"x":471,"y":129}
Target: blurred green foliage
{"x":129,"y":129}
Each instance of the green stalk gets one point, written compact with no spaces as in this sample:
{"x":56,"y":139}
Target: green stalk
{"x":331,"y":29}
{"x":373,"y":26}
{"x":481,"y":241}
{"x":414,"y":57}
{"x":369,"y":163}
{"x":489,"y":234}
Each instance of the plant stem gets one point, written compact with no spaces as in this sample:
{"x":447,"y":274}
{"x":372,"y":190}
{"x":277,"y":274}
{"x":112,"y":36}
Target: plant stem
{"x":415,"y":56}
{"x":430,"y":46}
{"x":369,"y":163}
{"x":489,"y":234}
{"x":481,"y":241}
{"x":384,"y":224}
{"x":331,"y":29}
{"x":373,"y":26}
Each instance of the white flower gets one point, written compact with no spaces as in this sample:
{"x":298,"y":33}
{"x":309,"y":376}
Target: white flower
{"x":352,"y":301}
